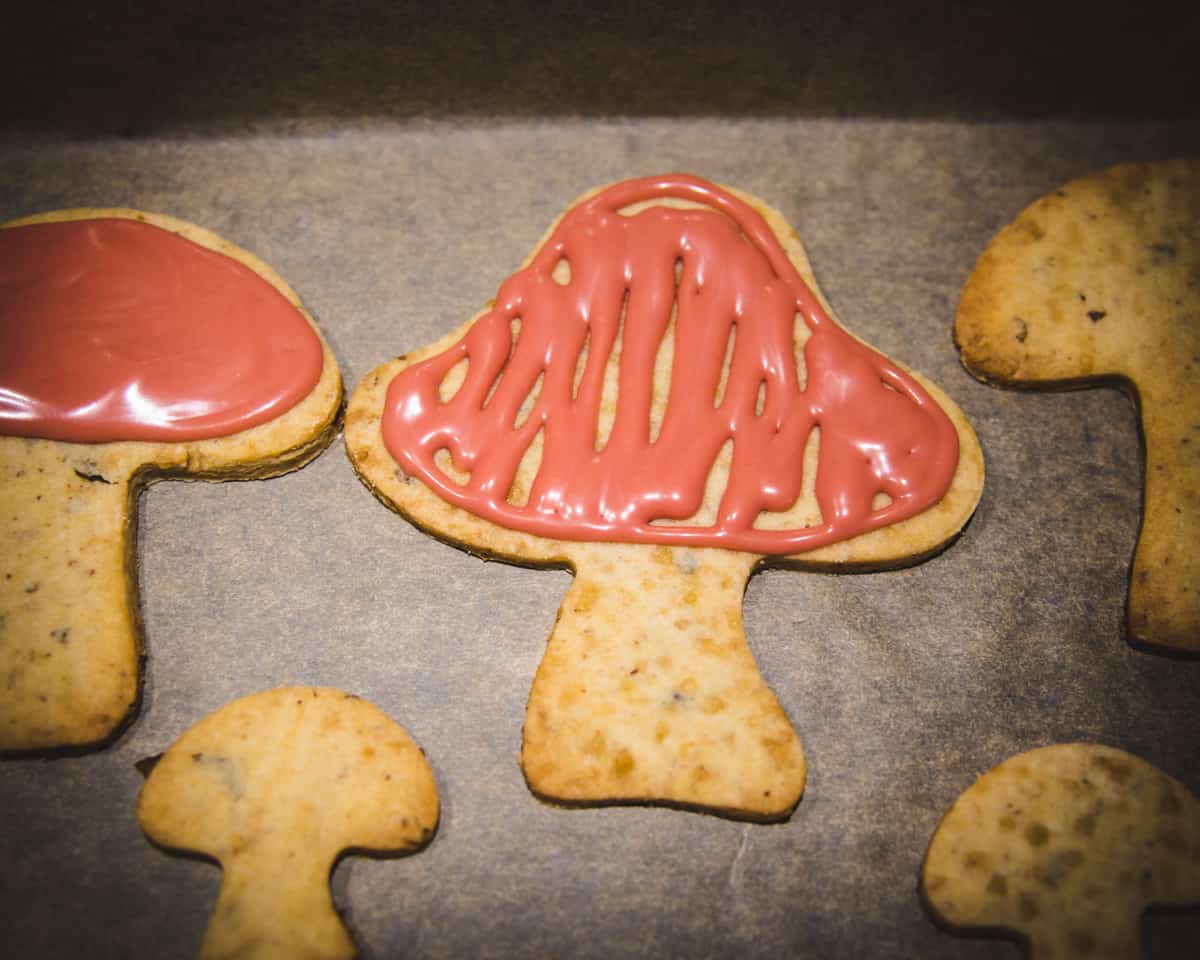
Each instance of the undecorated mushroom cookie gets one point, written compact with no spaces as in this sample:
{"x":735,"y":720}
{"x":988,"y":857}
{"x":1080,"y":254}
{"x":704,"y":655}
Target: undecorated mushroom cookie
{"x":1096,"y":282}
{"x":133,"y":347}
{"x":1066,"y":846}
{"x":274,"y":786}
{"x":658,"y":399}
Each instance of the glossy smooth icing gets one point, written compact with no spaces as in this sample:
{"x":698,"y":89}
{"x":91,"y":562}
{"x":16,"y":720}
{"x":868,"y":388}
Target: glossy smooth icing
{"x":880,"y":431}
{"x":116,"y":329}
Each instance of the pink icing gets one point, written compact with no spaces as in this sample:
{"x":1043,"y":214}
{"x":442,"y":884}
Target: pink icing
{"x":880,"y":431}
{"x":114,"y":329}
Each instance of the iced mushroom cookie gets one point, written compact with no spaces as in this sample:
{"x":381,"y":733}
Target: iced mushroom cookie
{"x":660,"y":398}
{"x":275,"y":786}
{"x":133,"y":347}
{"x":1099,"y":282}
{"x":1065,"y":847}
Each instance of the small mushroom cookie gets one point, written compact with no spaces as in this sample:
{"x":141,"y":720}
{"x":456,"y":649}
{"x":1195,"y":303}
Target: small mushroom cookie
{"x":133,"y":347}
{"x":1100,"y":281}
{"x":1066,"y":846}
{"x":659,"y":399}
{"x":275,"y":786}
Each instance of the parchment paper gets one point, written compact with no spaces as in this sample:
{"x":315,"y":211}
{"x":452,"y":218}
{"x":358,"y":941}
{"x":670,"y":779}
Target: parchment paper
{"x":904,"y":686}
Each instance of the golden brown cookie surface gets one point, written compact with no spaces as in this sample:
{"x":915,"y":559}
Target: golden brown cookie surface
{"x":275,"y":786}
{"x":1067,"y":846}
{"x":70,"y":637}
{"x":648,"y":690}
{"x":1100,"y":281}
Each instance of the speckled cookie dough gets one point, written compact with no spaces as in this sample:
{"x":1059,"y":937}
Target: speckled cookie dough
{"x":70,"y":634}
{"x":1065,"y":846}
{"x":275,"y":786}
{"x":1099,"y":282}
{"x":542,"y":430}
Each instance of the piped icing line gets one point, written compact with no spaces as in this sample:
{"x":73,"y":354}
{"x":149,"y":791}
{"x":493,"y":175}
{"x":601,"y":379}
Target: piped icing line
{"x":880,"y":431}
{"x":115,"y":329}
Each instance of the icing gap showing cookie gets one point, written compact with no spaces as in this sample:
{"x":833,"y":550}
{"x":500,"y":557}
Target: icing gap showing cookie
{"x":606,"y":414}
{"x":527,"y":470}
{"x":529,"y":402}
{"x":805,"y":511}
{"x":452,"y":382}
{"x":444,"y":461}
{"x":726,"y":367}
{"x":561,"y":274}
{"x":581,"y":364}
{"x":760,"y":398}
{"x":800,"y":336}
{"x":706,"y":514}
{"x":880,"y":500}
{"x":674,"y":203}
{"x":664,"y":359}
{"x":514,"y":332}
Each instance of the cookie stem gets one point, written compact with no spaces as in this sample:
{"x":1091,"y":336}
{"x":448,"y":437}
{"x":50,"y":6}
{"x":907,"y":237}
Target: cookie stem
{"x":68,"y":616}
{"x":648,"y":690}
{"x":275,"y":902}
{"x":1164,"y":589}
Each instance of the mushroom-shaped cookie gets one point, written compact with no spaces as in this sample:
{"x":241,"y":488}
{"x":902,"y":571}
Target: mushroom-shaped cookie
{"x":133,"y":347}
{"x":275,"y":786}
{"x":658,"y":399}
{"x":1065,"y":847}
{"x":1098,"y":282}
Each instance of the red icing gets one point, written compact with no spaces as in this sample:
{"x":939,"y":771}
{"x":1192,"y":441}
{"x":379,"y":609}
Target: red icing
{"x":880,"y":431}
{"x":113,"y":329}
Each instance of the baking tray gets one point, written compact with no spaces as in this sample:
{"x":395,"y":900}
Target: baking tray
{"x":394,"y":226}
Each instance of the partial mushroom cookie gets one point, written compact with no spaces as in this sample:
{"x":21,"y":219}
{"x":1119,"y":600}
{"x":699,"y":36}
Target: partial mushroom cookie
{"x":660,"y":398}
{"x":1097,"y":282}
{"x":275,"y":786}
{"x":1065,"y":847}
{"x":133,"y":347}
